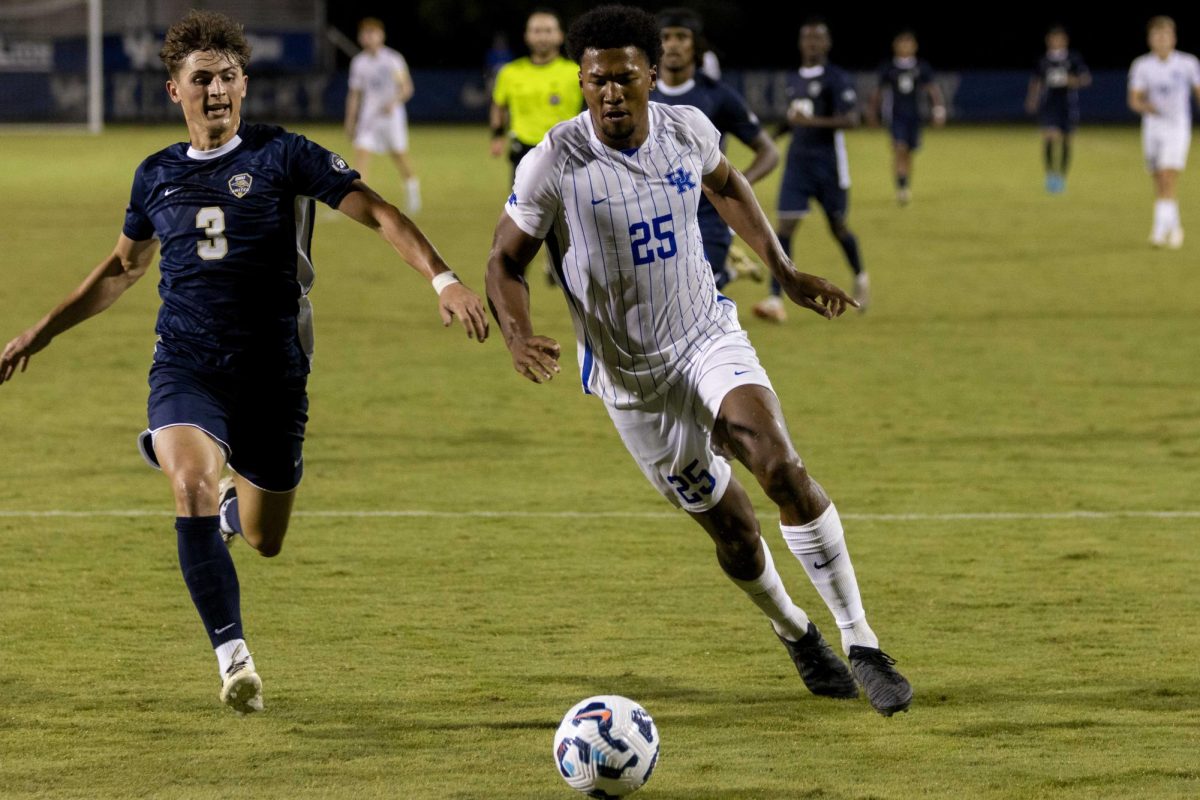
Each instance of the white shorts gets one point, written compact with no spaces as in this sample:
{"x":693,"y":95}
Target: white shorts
{"x":383,"y":133}
{"x":1166,"y":147}
{"x":671,"y":437}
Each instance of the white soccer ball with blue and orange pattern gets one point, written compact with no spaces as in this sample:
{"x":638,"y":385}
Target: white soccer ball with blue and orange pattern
{"x":606,"y":746}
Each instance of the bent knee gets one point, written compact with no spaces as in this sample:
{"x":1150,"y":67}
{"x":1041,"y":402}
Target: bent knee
{"x":783,"y":477}
{"x":270,"y":549}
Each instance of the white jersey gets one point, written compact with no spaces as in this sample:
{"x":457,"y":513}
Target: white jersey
{"x":1168,"y":86}
{"x":375,"y":76}
{"x":622,"y":232}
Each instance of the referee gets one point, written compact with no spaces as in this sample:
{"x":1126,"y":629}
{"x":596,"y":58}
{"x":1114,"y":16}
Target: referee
{"x":534,"y":94}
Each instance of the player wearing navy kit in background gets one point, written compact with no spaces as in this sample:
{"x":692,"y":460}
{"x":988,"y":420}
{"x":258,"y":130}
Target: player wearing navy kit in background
{"x":822,"y":102}
{"x":896,"y":100}
{"x":232,"y":210}
{"x":615,"y":195}
{"x":1054,"y":97}
{"x":680,"y":82}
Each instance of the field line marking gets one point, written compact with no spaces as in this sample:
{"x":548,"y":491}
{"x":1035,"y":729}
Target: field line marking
{"x":983,"y":516}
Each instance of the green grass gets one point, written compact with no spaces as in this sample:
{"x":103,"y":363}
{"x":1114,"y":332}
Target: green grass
{"x":1024,"y":353}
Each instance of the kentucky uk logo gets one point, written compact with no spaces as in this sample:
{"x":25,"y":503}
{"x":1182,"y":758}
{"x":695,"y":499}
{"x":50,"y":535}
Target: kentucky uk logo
{"x":240,"y":184}
{"x":681,"y":180}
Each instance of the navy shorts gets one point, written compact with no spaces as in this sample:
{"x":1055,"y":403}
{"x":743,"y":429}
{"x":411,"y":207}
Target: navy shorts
{"x":906,"y":130}
{"x":813,"y":178}
{"x":1059,"y":116}
{"x":714,"y":233}
{"x":258,"y":423}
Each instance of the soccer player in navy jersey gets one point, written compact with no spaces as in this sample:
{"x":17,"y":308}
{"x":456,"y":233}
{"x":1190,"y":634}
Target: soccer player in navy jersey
{"x":232,"y":211}
{"x":680,"y":82}
{"x":822,"y":103}
{"x":1054,"y":97}
{"x":897,"y":100}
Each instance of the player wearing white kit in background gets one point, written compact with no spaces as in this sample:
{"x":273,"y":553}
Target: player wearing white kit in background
{"x":1161,"y":85}
{"x":376,"y":120}
{"x":614,"y":194}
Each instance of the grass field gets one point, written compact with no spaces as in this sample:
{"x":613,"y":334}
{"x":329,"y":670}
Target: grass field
{"x":1027,"y":359}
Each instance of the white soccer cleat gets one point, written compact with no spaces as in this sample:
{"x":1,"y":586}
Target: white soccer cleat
{"x":862,"y":291}
{"x":226,"y":491}
{"x":1158,"y":239}
{"x":742,"y":265}
{"x":771,"y":309}
{"x":903,"y":197}
{"x":1175,"y":239}
{"x":242,"y":688}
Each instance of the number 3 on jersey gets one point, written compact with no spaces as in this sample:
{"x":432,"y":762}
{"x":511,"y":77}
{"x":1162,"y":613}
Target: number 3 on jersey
{"x":212,"y":219}
{"x":639,"y":238}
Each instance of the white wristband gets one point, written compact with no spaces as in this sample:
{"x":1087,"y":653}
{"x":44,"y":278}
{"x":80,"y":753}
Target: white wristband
{"x":442,"y":280}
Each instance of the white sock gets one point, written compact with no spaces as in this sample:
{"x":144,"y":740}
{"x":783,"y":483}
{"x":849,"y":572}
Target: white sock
{"x":227,"y":652}
{"x":414,"y":194}
{"x":1162,"y":213}
{"x":1172,"y":213}
{"x":767,"y":592}
{"x":821,"y":547}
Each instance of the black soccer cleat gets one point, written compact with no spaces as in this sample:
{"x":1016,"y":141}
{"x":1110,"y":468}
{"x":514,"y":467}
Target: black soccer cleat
{"x":887,"y":689}
{"x":820,"y":668}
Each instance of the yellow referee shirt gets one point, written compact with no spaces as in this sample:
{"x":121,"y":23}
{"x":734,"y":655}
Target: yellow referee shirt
{"x":538,"y":96}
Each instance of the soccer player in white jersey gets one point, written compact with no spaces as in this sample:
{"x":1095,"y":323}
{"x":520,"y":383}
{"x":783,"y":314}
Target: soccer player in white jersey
{"x":380,"y":85}
{"x":614,"y":194}
{"x":1161,"y":85}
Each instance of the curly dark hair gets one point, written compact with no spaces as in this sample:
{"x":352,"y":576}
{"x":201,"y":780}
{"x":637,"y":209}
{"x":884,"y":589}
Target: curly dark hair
{"x":204,"y":30}
{"x":609,"y":27}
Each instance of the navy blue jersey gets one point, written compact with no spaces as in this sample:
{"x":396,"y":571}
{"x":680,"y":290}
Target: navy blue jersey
{"x":901,"y":81}
{"x":235,"y":225}
{"x":723,"y":106}
{"x":1054,"y":70}
{"x":825,"y":91}
{"x":728,"y":113}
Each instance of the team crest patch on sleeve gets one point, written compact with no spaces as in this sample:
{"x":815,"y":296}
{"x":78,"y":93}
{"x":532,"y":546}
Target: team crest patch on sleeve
{"x":240,"y":184}
{"x":338,"y":163}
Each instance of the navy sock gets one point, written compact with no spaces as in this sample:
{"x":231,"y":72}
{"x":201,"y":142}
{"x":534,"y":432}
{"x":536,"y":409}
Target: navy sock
{"x":786,"y":243}
{"x":210,"y":577}
{"x":1066,"y":157}
{"x":232,"y":518}
{"x":1048,"y":155}
{"x":901,"y":181}
{"x":849,"y":244}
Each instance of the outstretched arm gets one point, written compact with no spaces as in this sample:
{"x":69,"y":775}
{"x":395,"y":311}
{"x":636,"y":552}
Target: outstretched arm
{"x":534,"y":357}
{"x":730,"y":193}
{"x":99,"y":290}
{"x":363,"y":205}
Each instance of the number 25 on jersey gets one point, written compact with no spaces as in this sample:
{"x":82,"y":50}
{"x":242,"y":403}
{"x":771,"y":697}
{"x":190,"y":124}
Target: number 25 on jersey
{"x":640,"y":239}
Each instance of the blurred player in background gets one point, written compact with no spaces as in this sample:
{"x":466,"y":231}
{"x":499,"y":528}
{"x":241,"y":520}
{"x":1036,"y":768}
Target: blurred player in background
{"x":232,"y":211}
{"x":1054,"y":97}
{"x":681,"y":83}
{"x":1161,"y":85}
{"x":822,"y":103}
{"x":615,"y":194}
{"x":536,"y":92}
{"x":896,"y":100}
{"x":380,"y":85}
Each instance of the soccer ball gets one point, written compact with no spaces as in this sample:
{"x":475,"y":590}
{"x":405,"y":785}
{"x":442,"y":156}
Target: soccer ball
{"x":606,"y":746}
